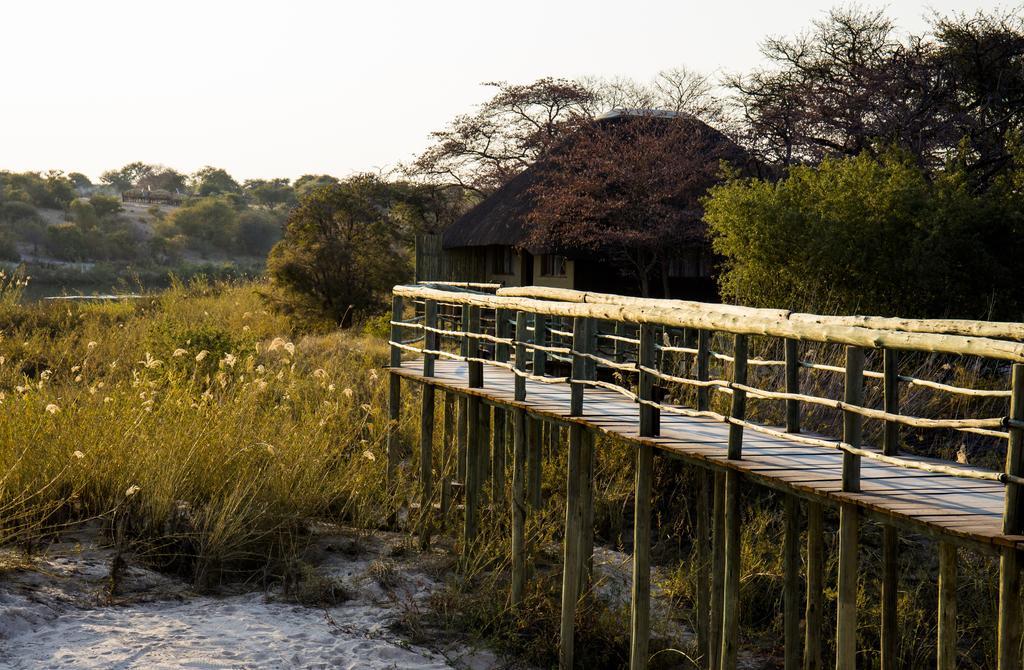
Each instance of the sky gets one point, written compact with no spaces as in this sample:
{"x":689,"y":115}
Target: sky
{"x":281,"y":89}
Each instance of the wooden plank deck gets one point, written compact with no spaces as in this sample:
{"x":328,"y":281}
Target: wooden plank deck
{"x":968,"y":509}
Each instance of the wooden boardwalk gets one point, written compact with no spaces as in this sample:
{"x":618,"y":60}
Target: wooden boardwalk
{"x":927,"y":502}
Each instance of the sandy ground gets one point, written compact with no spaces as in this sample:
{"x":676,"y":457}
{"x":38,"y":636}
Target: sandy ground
{"x":55,"y":612}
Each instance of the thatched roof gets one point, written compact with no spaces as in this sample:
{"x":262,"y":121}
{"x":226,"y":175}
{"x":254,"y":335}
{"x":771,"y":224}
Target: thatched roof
{"x":501,"y":218}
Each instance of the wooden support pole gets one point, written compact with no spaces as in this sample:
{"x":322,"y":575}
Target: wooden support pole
{"x":791,"y":583}
{"x":1009,"y":633}
{"x":704,"y":566}
{"x":476,"y":368}
{"x":703,"y":369}
{"x":587,"y":538}
{"x":890,"y":583}
{"x":534,"y":462}
{"x":947,"y":607}
{"x":394,"y":394}
{"x":649,"y":415}
{"x":571,"y":546}
{"x":540,"y":336}
{"x":518,"y":505}
{"x":813,"y":614}
{"x":792,"y":385}
{"x":394,"y":415}
{"x":472,"y":482}
{"x":426,"y":464}
{"x":484,"y":453}
{"x":717,"y":570}
{"x":739,"y":398}
{"x":462,"y":437}
{"x":448,"y":449}
{"x":430,"y":339}
{"x":890,"y":538}
{"x":641,"y":612}
{"x":498,"y":452}
{"x":846,"y":606}
{"x":731,"y":585}
{"x":852,"y":422}
{"x":581,"y":346}
{"x":522,"y":338}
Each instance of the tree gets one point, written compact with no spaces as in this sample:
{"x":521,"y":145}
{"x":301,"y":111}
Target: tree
{"x":80,"y":181}
{"x":309,"y":182}
{"x":270,"y":193}
{"x":629,"y":189}
{"x":481,"y":151}
{"x":258,"y":231}
{"x":214,"y":181}
{"x":127,"y":177}
{"x":872,"y":234}
{"x":338,"y":253}
{"x":106,"y":205}
{"x":162,"y":179}
{"x":208,"y":223}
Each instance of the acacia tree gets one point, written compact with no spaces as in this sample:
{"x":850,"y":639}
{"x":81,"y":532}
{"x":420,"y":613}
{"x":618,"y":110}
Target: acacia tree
{"x":629,"y":188}
{"x":480,"y":152}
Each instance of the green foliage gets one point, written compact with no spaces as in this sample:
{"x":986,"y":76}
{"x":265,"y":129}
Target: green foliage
{"x":15,"y":211}
{"x":869,"y":235}
{"x":270,"y":192}
{"x":69,"y":242}
{"x":84,"y":214}
{"x":339,"y":252}
{"x":8,"y":249}
{"x":258,"y":231}
{"x":214,"y":181}
{"x":209,"y":222}
{"x":127,"y":177}
{"x":51,"y":191}
{"x":105,"y":205}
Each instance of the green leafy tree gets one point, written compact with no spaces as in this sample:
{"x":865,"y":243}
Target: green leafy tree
{"x":270,"y":193}
{"x":128,"y":176}
{"x":871,"y":235}
{"x":84,"y":214}
{"x":80,"y":181}
{"x":258,"y":231}
{"x":214,"y":181}
{"x":106,"y":205}
{"x":310,"y":182}
{"x":209,"y":223}
{"x":339,"y":253}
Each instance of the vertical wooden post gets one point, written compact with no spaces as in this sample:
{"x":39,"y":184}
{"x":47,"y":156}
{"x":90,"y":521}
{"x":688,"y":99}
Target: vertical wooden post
{"x":534,"y":463}
{"x":731,"y":585}
{"x":571,"y":546}
{"x":703,"y":566}
{"x":648,"y":358}
{"x":1013,"y":524}
{"x":587,"y":501}
{"x":717,"y":569}
{"x":791,"y":583}
{"x":426,"y":464}
{"x":476,"y":368}
{"x":641,"y":613}
{"x":947,"y":607}
{"x":484,"y":453}
{"x":448,"y":448}
{"x":522,"y":338}
{"x":518,"y":505}
{"x":792,"y":385}
{"x":429,"y":337}
{"x":540,"y":336}
{"x":703,"y":369}
{"x":739,"y":398}
{"x":394,"y":393}
{"x":846,"y":605}
{"x":852,"y":422}
{"x":890,"y":538}
{"x":472,"y":485}
{"x":815,"y":586}
{"x":462,"y":437}
{"x":498,"y":451}
{"x":580,"y":346}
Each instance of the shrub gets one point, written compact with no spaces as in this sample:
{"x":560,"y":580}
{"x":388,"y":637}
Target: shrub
{"x":208,"y":223}
{"x":257,"y":232}
{"x":868,"y":235}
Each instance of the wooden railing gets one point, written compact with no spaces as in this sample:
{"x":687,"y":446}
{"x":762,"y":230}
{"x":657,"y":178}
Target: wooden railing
{"x":622,"y":344}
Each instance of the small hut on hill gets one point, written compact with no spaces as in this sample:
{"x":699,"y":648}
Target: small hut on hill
{"x":492,"y":242}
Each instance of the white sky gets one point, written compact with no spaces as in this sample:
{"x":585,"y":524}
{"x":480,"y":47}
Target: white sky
{"x":269,"y":89}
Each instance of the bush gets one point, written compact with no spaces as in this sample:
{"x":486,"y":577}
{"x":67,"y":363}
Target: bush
{"x":257,"y":232}
{"x":68,"y":242}
{"x":869,"y":235}
{"x":15,"y":211}
{"x":208,"y":223}
{"x":8,"y":250}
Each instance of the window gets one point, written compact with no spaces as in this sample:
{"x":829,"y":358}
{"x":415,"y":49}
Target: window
{"x":501,"y":261}
{"x":552,"y":265}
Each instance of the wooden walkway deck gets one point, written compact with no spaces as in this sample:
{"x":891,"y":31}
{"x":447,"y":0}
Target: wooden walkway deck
{"x":956,"y":508}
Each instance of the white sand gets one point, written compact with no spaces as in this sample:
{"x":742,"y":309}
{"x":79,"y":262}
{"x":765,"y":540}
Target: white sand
{"x":51,"y":616}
